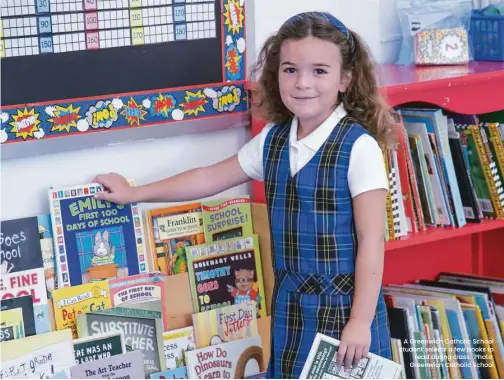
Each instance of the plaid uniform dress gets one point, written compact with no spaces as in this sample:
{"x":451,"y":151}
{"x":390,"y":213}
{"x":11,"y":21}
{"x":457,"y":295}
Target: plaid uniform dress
{"x":314,"y":248}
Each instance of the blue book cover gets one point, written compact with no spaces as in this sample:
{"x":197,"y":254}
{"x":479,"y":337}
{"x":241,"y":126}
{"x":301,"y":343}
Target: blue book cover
{"x":176,"y":373}
{"x":95,"y":240}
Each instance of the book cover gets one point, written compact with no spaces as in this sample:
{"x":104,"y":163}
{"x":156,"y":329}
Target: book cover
{"x":97,"y":347}
{"x":95,"y":240}
{"x":38,"y":356}
{"x":233,"y":360}
{"x":47,"y":248}
{"x":142,"y":330}
{"x":25,"y":303}
{"x":123,"y":366}
{"x":176,"y":343}
{"x":227,"y":218}
{"x":176,"y":373}
{"x":225,"y":324}
{"x":144,"y":287}
{"x":22,"y":267}
{"x":12,"y":324}
{"x":80,"y":299}
{"x":230,"y":274}
{"x":171,"y":229}
{"x":321,"y":363}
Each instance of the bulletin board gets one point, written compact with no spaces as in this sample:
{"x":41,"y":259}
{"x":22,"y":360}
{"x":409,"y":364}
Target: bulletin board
{"x":71,"y":67}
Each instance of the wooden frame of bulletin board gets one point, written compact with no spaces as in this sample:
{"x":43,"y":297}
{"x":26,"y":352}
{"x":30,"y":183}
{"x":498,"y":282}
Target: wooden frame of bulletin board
{"x":174,"y":66}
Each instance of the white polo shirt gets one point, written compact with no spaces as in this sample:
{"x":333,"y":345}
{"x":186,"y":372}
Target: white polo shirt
{"x":366,"y":169}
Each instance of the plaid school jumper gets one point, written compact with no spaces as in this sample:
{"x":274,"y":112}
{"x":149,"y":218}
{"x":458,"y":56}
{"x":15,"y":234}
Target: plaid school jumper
{"x":314,"y":246}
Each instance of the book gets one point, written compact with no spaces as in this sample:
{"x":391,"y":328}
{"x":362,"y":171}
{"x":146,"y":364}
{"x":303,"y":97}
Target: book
{"x":79,"y":299}
{"x":227,"y":218}
{"x":176,"y":343}
{"x":38,"y":356}
{"x":47,"y":248}
{"x":321,"y":363}
{"x":22,"y":267}
{"x":97,"y":347}
{"x":12,"y":325}
{"x":176,"y":373}
{"x":123,"y":366}
{"x":233,"y":360}
{"x":226,"y":273}
{"x":142,"y":330}
{"x":171,"y":229}
{"x":95,"y":240}
{"x":139,"y":288}
{"x":25,"y":303}
{"x":225,"y":324}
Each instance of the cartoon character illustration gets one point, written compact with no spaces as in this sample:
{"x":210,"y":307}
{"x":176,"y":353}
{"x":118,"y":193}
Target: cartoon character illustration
{"x":178,"y":261}
{"x":244,"y":291}
{"x":104,"y":252}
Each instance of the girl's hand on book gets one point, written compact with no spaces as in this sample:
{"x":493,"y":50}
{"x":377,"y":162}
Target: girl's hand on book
{"x":355,"y":341}
{"x":116,"y":189}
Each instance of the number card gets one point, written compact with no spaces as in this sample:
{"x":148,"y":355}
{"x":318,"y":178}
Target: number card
{"x":135,"y":3}
{"x":90,"y":5}
{"x":43,"y":6}
{"x":179,"y":14}
{"x":44,"y":24}
{"x":46,"y":45}
{"x":91,"y":21}
{"x":136,"y":18}
{"x":181,"y":32}
{"x":92,"y":40}
{"x":2,"y":49}
{"x":138,"y":36}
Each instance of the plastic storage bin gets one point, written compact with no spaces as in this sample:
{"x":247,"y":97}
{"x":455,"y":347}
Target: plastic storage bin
{"x":487,"y":38}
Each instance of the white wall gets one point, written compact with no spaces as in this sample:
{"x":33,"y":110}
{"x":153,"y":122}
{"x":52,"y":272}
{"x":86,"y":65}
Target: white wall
{"x":25,"y":181}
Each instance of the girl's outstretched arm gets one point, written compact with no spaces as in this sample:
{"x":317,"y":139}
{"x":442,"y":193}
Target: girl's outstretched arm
{"x":369,"y":215}
{"x":187,"y":186}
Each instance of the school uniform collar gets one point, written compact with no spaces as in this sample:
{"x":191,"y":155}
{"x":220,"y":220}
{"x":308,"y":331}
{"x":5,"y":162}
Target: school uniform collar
{"x":315,"y":139}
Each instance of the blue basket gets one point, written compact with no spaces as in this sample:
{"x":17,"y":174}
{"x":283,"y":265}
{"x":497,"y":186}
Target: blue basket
{"x":487,"y":38}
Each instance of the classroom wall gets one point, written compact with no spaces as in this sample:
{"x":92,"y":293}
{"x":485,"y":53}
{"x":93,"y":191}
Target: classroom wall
{"x":24,"y":181}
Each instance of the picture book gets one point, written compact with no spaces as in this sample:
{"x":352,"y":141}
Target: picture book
{"x":97,"y":347}
{"x":230,"y":273}
{"x":225,"y":324}
{"x":139,"y":288}
{"x":38,"y":356}
{"x":176,"y":344}
{"x":171,"y":229}
{"x":95,"y":240}
{"x":123,"y":366}
{"x":232,"y":360}
{"x":80,"y":299}
{"x":176,"y":373}
{"x":22,"y":267}
{"x":12,"y":325}
{"x":25,"y":303}
{"x":47,"y":248}
{"x":142,"y":330}
{"x":321,"y":363}
{"x":227,"y":218}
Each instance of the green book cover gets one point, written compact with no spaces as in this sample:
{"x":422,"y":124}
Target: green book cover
{"x":227,"y":218}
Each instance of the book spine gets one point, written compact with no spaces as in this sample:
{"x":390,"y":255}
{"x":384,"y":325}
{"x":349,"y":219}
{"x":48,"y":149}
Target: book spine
{"x":497,"y":145}
{"x":390,"y":218}
{"x":490,"y":179}
{"x":496,"y":178}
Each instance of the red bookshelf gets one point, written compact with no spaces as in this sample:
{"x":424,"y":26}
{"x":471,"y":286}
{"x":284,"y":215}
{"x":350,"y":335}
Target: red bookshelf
{"x":475,"y":248}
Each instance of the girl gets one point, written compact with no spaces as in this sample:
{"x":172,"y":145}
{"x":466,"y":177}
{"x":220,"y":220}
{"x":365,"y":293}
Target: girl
{"x":326,"y":190}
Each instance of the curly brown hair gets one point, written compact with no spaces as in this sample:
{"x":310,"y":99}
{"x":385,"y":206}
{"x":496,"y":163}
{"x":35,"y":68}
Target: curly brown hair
{"x":361,"y":100}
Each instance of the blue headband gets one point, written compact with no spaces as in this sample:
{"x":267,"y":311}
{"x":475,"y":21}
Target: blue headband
{"x":334,"y":21}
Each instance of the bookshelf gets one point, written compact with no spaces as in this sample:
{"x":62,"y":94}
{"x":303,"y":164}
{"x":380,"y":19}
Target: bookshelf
{"x":476,"y":248}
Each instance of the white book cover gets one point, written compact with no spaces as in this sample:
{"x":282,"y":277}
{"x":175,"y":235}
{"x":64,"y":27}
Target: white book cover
{"x":321,"y":363}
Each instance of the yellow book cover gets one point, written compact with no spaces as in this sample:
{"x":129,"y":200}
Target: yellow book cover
{"x":12,"y":324}
{"x":37,"y":356}
{"x":492,"y":334}
{"x":225,"y":324}
{"x":80,"y":299}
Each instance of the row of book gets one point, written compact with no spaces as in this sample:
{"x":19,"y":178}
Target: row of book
{"x":446,"y":170}
{"x":450,"y":328}
{"x":85,"y":276}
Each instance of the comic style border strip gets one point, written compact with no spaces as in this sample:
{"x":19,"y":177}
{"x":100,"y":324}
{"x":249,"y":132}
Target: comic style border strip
{"x":37,"y":121}
{"x":55,"y":196}
{"x":42,"y":121}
